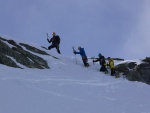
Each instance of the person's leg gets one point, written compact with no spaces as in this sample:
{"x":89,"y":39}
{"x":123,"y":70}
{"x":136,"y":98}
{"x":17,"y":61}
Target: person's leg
{"x":112,"y":72}
{"x":57,"y":48}
{"x":101,"y":69}
{"x":84,"y":59}
{"x":51,"y":46}
{"x":106,"y":71}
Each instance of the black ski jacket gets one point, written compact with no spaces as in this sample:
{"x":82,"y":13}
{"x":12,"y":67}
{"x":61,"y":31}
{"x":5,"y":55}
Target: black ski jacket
{"x":101,"y":60}
{"x":55,"y":40}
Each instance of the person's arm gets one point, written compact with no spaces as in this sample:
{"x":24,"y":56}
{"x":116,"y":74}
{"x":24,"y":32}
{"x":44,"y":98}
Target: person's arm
{"x":77,"y":52}
{"x":74,"y":51}
{"x":96,"y":60}
{"x":49,"y":40}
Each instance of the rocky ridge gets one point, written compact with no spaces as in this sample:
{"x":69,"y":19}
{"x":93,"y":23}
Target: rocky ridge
{"x":136,"y":72}
{"x":11,"y":52}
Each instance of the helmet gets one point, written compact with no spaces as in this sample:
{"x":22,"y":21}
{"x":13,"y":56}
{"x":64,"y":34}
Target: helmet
{"x":99,"y":54}
{"x":79,"y":48}
{"x":108,"y":58}
{"x":53,"y":33}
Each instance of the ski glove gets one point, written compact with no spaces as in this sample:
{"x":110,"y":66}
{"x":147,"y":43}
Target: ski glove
{"x":74,"y":52}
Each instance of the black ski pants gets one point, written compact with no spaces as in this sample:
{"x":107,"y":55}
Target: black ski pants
{"x":54,"y":46}
{"x":103,"y":68}
{"x":113,"y":71}
{"x":85,"y":60}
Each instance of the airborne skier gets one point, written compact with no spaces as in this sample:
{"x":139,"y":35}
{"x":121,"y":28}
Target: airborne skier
{"x":55,"y":40}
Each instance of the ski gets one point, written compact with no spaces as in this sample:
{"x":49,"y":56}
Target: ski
{"x":44,"y":47}
{"x":49,"y":54}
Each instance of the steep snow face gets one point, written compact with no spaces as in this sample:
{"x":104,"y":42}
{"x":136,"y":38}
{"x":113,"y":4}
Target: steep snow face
{"x":69,"y":88}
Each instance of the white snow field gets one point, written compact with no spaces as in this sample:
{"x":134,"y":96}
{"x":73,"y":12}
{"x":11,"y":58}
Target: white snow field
{"x":69,"y":88}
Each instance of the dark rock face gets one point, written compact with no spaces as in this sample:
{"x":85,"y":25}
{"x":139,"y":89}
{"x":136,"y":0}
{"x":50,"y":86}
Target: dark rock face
{"x":125,"y":67}
{"x":8,"y":56}
{"x":131,"y":65}
{"x":7,"y":61}
{"x":136,"y":72}
{"x":33,"y":49}
{"x":147,"y":59}
{"x":140,"y":73}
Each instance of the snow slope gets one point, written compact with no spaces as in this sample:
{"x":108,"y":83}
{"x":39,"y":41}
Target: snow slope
{"x":69,"y":88}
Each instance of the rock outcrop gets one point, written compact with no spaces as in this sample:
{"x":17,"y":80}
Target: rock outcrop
{"x":140,"y":73}
{"x":125,"y":67}
{"x":12,"y":53}
{"x":136,"y":72}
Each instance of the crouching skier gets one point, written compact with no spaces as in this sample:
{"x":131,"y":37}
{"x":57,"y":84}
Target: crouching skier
{"x":83,"y":55}
{"x":102,"y":62}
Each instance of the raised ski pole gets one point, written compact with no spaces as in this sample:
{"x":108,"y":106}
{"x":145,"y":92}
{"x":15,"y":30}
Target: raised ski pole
{"x":75,"y":55}
{"x":47,"y":35}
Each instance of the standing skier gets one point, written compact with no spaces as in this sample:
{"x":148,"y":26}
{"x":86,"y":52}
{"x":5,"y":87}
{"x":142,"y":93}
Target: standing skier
{"x":110,"y":64}
{"x":102,"y":62}
{"x":83,"y":55}
{"x":55,"y":40}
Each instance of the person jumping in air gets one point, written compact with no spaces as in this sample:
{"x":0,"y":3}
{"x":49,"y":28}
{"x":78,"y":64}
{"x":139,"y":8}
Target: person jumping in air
{"x":83,"y":55}
{"x":55,"y":40}
{"x":102,"y":62}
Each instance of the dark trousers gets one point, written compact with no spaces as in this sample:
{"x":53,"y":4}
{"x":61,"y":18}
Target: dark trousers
{"x":103,"y":68}
{"x":113,"y":71}
{"x":85,"y":60}
{"x":54,"y":46}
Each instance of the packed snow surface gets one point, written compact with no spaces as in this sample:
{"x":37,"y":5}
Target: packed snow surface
{"x":69,"y":88}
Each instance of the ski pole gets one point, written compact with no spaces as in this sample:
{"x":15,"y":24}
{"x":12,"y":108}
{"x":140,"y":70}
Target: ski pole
{"x":93,"y":62}
{"x":47,"y":35}
{"x":75,"y":55}
{"x":76,"y":59}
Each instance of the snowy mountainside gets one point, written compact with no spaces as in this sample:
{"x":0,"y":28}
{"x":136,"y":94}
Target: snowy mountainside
{"x":69,"y":88}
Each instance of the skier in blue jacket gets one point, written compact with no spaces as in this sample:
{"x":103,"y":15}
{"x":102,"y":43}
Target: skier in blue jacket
{"x":83,"y":55}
